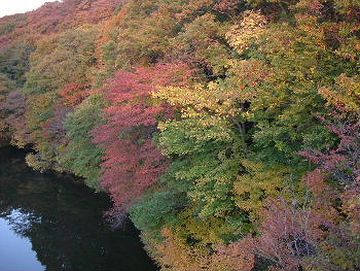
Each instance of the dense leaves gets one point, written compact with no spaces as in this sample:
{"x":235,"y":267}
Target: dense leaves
{"x":133,"y":162}
{"x":80,"y":155}
{"x":227,"y":129}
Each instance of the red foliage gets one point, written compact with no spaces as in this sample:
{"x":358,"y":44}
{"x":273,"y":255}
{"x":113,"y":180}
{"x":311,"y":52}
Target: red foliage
{"x":289,"y":234}
{"x":342,"y":162}
{"x":51,"y":17}
{"x":336,"y":206}
{"x":227,"y":6}
{"x":5,"y":42}
{"x":58,"y":16}
{"x":8,"y":25}
{"x":15,"y":107}
{"x":239,"y":255}
{"x":47,"y":18}
{"x":94,"y":11}
{"x":324,"y":195}
{"x":316,"y":7}
{"x":74,"y":93}
{"x":132,"y":161}
{"x":351,"y":206}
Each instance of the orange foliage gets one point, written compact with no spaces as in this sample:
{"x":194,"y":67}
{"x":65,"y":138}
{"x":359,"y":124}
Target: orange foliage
{"x":74,"y":93}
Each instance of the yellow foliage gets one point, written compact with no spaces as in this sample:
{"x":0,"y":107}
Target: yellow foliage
{"x":345,"y":94}
{"x":208,"y":231}
{"x":175,"y":254}
{"x":204,"y":107}
{"x":252,"y":188}
{"x":199,"y":99}
{"x":243,"y":35}
{"x":346,"y":5}
{"x":36,"y":163}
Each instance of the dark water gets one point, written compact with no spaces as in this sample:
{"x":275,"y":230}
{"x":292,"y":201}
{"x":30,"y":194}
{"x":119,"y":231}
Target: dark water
{"x":52,"y":223}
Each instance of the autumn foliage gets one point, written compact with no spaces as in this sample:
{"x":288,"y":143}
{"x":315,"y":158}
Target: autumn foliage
{"x":228,"y":130}
{"x":133,"y":162}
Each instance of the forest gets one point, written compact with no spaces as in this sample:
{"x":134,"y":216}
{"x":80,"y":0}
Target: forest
{"x":227,"y":130}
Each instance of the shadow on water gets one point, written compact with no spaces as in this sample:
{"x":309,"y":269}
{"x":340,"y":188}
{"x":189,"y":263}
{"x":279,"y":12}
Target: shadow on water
{"x":63,"y":221}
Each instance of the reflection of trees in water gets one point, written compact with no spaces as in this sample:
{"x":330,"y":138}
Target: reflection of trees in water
{"x":64,"y":221}
{"x":21,"y":222}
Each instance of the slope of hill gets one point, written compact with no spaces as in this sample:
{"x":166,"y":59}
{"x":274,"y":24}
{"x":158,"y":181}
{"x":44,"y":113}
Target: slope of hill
{"x":227,"y":129}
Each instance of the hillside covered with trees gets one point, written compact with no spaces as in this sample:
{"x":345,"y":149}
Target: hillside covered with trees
{"x":228,"y":130}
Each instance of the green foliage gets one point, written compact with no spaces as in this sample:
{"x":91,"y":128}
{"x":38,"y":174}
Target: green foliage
{"x":240,"y":136}
{"x":257,"y":184}
{"x":141,"y":34}
{"x":346,"y":6}
{"x":41,"y":109}
{"x":157,"y":209}
{"x":6,"y":86}
{"x":204,"y":149}
{"x":62,"y":59}
{"x":80,"y":155}
{"x":202,"y":42}
{"x":286,"y":103}
{"x":14,"y":62}
{"x":58,"y":61}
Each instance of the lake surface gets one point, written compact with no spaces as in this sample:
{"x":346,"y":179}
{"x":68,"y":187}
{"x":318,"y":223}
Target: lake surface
{"x":54,"y":223}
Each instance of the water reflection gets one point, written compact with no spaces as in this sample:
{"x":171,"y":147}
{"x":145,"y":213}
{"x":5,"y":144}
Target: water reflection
{"x":12,"y":245}
{"x":63,"y":221}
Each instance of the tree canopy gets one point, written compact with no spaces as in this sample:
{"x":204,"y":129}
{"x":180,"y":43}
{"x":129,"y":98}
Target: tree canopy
{"x":228,"y":130}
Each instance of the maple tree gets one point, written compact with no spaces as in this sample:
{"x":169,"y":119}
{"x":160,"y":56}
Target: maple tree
{"x":227,"y":129}
{"x":132,"y":161}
